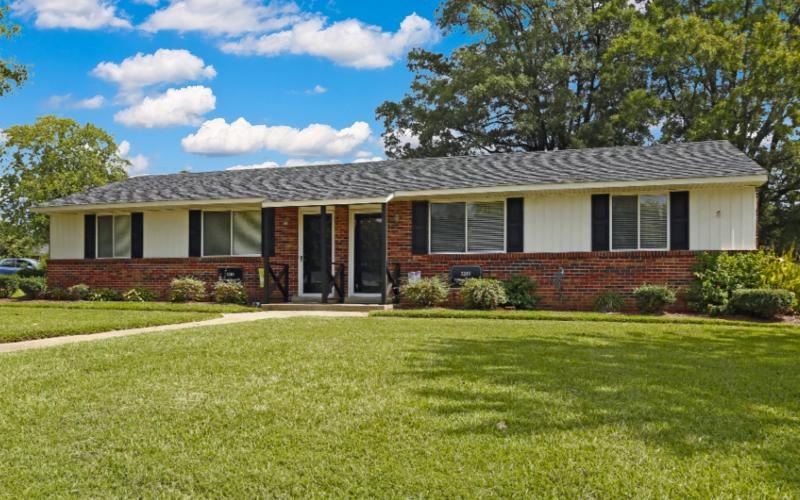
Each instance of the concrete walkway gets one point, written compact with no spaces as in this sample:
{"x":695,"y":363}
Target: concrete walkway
{"x":226,"y":319}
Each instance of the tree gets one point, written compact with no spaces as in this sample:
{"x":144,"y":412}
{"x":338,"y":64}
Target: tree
{"x":11,"y":74}
{"x":530,"y":81}
{"x":53,"y":158}
{"x":541,"y":75}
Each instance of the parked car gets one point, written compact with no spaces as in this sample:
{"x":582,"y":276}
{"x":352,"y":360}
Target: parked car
{"x":13,"y":266}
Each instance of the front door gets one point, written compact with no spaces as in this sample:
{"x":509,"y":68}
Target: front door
{"x":367,"y":256}
{"x":312,"y":258}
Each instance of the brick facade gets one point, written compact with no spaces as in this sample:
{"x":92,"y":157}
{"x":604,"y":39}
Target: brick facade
{"x":585,"y":273}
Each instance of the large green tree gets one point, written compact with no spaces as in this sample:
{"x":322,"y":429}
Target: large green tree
{"x":11,"y":74}
{"x":51,"y":158}
{"x":544,"y":74}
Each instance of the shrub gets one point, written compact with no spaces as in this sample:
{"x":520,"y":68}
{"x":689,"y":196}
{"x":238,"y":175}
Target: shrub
{"x":58,"y":293}
{"x":782,"y":272}
{"x":521,"y":292}
{"x":187,"y":290}
{"x":718,"y":275}
{"x":105,"y":295}
{"x":79,"y":292}
{"x":33,"y":287}
{"x":139,"y":295}
{"x":653,"y":299}
{"x":8,"y":285}
{"x":229,"y":292}
{"x":483,"y":293}
{"x":608,"y":301}
{"x":31,"y":272}
{"x":426,"y":292}
{"x":762,"y":302}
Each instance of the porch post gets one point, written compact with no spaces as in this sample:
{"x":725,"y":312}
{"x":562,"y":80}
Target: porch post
{"x":323,"y":247}
{"x":384,"y":248}
{"x":267,"y":231}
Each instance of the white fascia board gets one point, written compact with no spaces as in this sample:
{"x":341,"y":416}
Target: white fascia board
{"x":343,"y":201}
{"x":152,"y":205}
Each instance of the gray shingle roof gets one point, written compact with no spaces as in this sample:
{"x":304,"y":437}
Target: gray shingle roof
{"x":381,"y":179}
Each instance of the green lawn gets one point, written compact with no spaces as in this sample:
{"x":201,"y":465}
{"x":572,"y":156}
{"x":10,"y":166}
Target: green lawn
{"x":408,"y":408}
{"x":34,"y":320}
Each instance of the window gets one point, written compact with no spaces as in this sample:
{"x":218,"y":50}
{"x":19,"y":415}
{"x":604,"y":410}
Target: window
{"x":467,"y":227}
{"x":639,"y":222}
{"x":232,"y":233}
{"x":113,"y":236}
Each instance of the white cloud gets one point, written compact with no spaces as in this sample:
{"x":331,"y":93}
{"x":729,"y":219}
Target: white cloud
{"x":255,"y":166}
{"x":139,"y":163}
{"x":368,"y":160}
{"x":185,"y":106}
{"x":301,"y":162}
{"x":80,"y":14}
{"x":217,"y":137}
{"x":348,"y":43}
{"x":163,"y":66}
{"x":640,"y":5}
{"x":318,"y":89}
{"x":57,"y":101}
{"x":91,"y":102}
{"x":229,"y":17}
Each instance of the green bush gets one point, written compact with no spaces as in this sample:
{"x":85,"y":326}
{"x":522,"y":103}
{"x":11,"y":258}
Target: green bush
{"x":31,"y":272}
{"x":105,"y":295}
{"x":762,"y":302}
{"x":483,"y":293}
{"x":9,"y":284}
{"x":608,"y":301}
{"x":139,"y":294}
{"x":521,"y":292}
{"x":230,"y":292}
{"x":79,"y":292}
{"x":187,"y":290}
{"x":33,"y":287}
{"x":426,"y":292}
{"x":653,"y":299}
{"x":58,"y":293}
{"x":782,"y":272}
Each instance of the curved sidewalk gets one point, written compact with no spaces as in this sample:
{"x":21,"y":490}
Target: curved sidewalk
{"x":226,"y":319}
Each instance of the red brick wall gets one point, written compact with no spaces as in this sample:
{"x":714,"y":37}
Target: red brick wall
{"x":586,"y":273}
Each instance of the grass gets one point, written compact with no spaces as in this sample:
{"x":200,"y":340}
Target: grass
{"x":567,"y":316}
{"x":389,"y":407}
{"x":35,"y":320}
{"x":131,"y":306}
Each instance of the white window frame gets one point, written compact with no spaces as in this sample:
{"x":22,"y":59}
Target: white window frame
{"x":466,"y":225}
{"x":230,"y":215}
{"x":113,"y":236}
{"x":638,"y":223}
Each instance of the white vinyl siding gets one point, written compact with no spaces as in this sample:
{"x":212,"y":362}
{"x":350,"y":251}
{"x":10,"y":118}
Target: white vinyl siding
{"x":558,"y":222}
{"x":166,"y":234}
{"x":231,"y":233}
{"x":467,"y":227}
{"x":66,"y":236}
{"x":723,"y":218}
{"x":113,"y":236}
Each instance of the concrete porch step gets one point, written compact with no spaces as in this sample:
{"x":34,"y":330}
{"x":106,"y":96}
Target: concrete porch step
{"x":333,"y":306}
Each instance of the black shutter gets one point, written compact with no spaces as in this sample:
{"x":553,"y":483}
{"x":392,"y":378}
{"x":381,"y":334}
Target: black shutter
{"x":89,"y":236}
{"x":419,"y":227}
{"x":195,"y":233}
{"x":268,"y":232}
{"x":679,"y":220}
{"x":515,"y":224}
{"x":137,"y":235}
{"x":600,"y":222}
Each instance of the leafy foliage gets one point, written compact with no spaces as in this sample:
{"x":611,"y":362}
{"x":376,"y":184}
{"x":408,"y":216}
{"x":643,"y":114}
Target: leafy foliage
{"x":521,"y":292}
{"x":105,"y":295}
{"x":608,"y":301}
{"x":762,"y":303}
{"x":9,"y":284}
{"x":33,"y":287}
{"x":79,"y":292}
{"x":483,"y":293}
{"x":187,"y":290}
{"x":653,"y":299}
{"x":425,"y":292}
{"x":52,"y":158}
{"x":229,"y":292}
{"x":139,"y":294}
{"x":11,"y":74}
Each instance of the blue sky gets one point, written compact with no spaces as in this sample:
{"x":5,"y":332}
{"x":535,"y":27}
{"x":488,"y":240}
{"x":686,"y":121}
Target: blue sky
{"x":219,"y":83}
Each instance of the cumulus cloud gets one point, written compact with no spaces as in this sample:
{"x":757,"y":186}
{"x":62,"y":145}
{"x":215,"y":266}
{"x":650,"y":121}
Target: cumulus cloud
{"x":348,"y":43}
{"x":217,"y":137}
{"x":255,"y":166}
{"x":138,"y":163}
{"x":79,"y":14}
{"x":163,"y":66}
{"x":229,"y":17}
{"x":185,"y":106}
{"x":91,"y":102}
{"x":369,"y":160}
{"x":66,"y":101}
{"x":302,"y":162}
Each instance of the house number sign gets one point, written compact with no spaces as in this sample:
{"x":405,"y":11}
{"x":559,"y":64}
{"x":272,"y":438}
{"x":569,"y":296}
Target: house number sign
{"x":459,"y":274}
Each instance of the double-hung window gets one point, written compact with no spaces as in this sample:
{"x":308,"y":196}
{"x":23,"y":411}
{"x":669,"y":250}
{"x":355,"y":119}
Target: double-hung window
{"x":639,"y":222}
{"x":232,"y":233}
{"x":113,"y":236}
{"x":461,"y":227}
